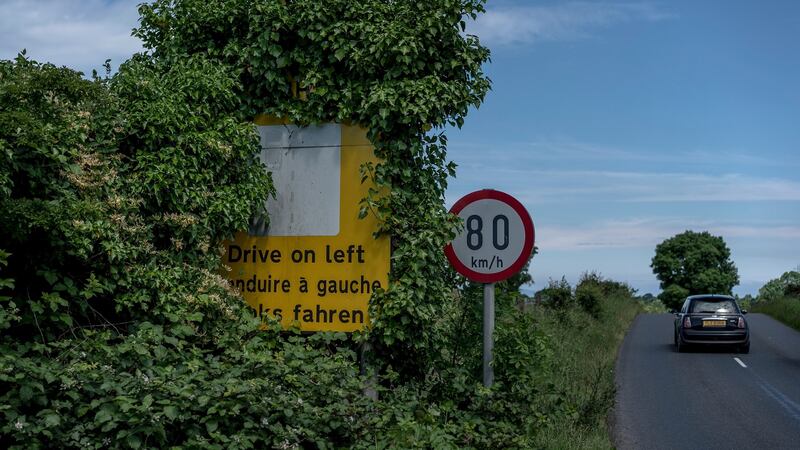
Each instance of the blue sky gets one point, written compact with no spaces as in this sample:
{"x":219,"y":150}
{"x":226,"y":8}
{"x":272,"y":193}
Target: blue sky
{"x":617,"y":123}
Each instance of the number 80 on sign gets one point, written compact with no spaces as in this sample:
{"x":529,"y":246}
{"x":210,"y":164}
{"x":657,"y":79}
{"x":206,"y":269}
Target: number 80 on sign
{"x":497,"y":238}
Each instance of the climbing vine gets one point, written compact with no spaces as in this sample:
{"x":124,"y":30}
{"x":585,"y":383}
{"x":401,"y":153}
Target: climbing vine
{"x":404,"y":70}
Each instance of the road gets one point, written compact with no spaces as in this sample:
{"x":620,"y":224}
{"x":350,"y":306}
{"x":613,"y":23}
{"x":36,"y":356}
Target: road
{"x":706,"y":399}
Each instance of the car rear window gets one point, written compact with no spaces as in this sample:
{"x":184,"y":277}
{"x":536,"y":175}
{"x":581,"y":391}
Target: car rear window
{"x":719,"y":306}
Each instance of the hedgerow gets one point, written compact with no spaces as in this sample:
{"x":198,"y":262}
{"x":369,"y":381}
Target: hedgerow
{"x":116,"y":326}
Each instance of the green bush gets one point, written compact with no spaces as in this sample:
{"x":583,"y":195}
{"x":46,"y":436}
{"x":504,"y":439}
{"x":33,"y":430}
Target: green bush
{"x":116,"y":325}
{"x":557,"y":294}
{"x":592,"y":288}
{"x":673,"y":296}
{"x":588,"y":296}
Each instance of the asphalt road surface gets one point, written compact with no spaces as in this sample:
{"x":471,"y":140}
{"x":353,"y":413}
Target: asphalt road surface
{"x":709,"y":398}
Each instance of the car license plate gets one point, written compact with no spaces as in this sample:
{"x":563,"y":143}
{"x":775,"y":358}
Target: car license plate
{"x":713,"y":323}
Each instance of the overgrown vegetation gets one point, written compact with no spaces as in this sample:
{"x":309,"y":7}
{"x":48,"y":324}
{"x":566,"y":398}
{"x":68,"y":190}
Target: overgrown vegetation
{"x":403,"y":70}
{"x":584,"y":344}
{"x":780,"y":298}
{"x":115,"y":326}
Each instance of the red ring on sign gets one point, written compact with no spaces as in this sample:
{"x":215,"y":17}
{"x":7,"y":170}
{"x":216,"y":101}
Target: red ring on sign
{"x":527,"y":247}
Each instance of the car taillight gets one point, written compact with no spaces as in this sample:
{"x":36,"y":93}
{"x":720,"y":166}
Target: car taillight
{"x":740,"y":324}
{"x":687,"y":322}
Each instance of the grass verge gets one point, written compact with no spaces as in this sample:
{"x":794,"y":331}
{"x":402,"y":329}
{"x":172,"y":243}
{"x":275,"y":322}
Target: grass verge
{"x":784,"y":309}
{"x":584,"y":354}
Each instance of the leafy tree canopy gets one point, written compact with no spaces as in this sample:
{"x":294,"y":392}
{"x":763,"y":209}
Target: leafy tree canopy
{"x":786,"y":284}
{"x":692,"y":263}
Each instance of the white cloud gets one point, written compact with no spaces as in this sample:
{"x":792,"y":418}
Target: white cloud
{"x":562,"y":169}
{"x":568,"y":150}
{"x":559,"y":22}
{"x":665,"y":187}
{"x":76,"y":33}
{"x":555,"y":186}
{"x":649,"y":232}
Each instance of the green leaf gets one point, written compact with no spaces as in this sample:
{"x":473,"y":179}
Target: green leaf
{"x":104,"y":415}
{"x":52,"y":420}
{"x":211,"y":425}
{"x":171,"y":412}
{"x":134,"y":441}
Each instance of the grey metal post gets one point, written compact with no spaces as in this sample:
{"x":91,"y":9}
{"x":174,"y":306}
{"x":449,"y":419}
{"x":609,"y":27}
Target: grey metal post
{"x":370,"y":390}
{"x":488,"y":334}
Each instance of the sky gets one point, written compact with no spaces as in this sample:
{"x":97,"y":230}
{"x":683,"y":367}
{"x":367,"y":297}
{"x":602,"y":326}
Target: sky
{"x":618,"y":124}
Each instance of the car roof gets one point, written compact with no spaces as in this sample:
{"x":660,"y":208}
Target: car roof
{"x":710,"y":296}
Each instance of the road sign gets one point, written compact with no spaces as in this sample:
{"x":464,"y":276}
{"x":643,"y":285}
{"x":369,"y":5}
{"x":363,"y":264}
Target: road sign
{"x":497,"y":238}
{"x":496,"y":242}
{"x":315,"y":263}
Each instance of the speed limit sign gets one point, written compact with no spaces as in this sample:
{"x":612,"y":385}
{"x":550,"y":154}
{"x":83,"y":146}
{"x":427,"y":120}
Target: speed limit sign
{"x":496,"y":242}
{"x":497,"y":238}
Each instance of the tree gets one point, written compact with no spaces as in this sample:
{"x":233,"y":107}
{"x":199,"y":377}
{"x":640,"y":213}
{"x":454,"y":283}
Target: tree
{"x":693,"y":263}
{"x":787,"y":284}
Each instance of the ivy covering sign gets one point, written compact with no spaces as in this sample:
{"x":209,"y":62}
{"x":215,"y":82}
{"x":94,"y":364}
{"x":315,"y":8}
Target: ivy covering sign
{"x":314,"y":263}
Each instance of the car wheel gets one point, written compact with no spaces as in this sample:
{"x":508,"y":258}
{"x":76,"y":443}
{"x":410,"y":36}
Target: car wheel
{"x":680,"y":347}
{"x":744,"y":348}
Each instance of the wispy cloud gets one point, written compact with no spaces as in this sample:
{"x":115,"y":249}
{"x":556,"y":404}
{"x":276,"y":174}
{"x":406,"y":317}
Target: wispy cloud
{"x":649,"y":232}
{"x":534,"y":186}
{"x":566,"y":170}
{"x":575,"y":152}
{"x":76,"y":33}
{"x":559,"y":22}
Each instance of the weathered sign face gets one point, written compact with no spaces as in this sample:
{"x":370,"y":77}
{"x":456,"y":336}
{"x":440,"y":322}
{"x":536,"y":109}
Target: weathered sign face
{"x":315,"y":263}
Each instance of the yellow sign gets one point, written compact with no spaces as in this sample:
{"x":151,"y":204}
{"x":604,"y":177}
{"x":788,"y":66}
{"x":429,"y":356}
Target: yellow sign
{"x":315,"y":264}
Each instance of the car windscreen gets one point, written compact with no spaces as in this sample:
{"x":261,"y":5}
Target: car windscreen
{"x":718,"y":306}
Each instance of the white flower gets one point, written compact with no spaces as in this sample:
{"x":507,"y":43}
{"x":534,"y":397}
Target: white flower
{"x":18,"y":424}
{"x":264,"y":421}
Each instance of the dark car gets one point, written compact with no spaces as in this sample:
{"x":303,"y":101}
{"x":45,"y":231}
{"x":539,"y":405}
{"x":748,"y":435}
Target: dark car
{"x":711,"y":319}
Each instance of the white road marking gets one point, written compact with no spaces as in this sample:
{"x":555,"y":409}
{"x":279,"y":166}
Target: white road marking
{"x":740,"y":362}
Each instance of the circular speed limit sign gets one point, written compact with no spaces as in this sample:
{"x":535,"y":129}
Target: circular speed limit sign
{"x":497,"y":238}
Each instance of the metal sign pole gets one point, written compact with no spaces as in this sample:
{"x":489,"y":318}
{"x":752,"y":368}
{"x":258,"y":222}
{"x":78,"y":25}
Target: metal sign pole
{"x":499,"y":221}
{"x":488,"y":333}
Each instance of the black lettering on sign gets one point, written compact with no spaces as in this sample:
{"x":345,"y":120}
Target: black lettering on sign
{"x":353,"y":286}
{"x":268,"y":285}
{"x":253,"y":255}
{"x":327,"y":315}
{"x":304,"y":256}
{"x":353,"y":254}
